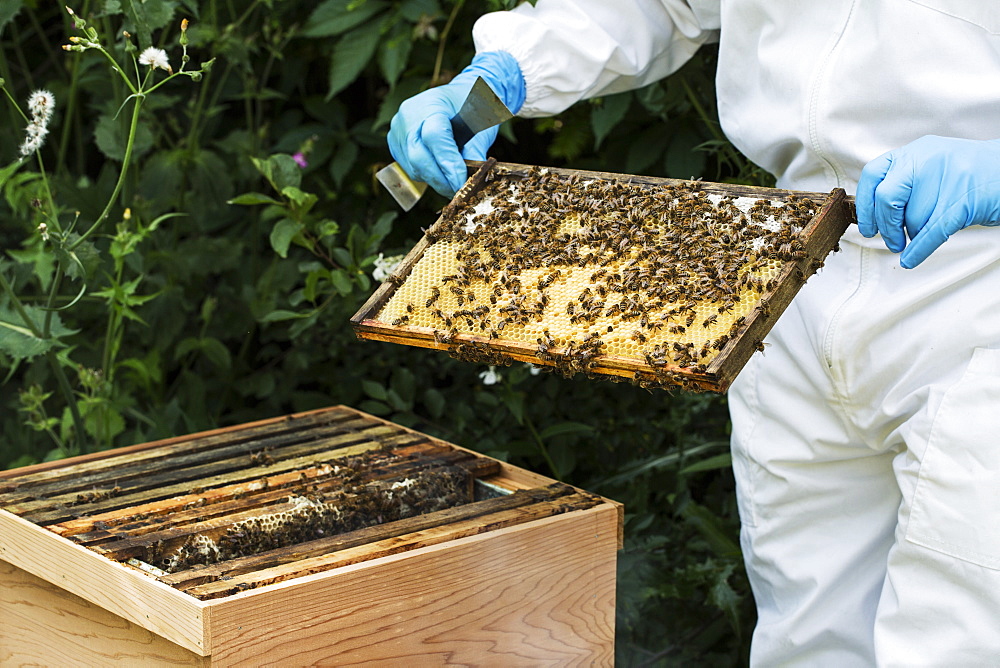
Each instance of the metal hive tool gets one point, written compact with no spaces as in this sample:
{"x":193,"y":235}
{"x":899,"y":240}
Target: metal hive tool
{"x":660,"y":281}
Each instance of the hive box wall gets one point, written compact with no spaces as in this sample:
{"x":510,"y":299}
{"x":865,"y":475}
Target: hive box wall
{"x":537,"y":593}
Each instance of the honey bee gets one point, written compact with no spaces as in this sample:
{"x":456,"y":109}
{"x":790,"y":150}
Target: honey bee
{"x":435,"y":295}
{"x":401,"y":321}
{"x":710,"y":320}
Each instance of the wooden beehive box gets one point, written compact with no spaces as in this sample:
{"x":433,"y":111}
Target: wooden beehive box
{"x":660,"y":281}
{"x":475,"y":562}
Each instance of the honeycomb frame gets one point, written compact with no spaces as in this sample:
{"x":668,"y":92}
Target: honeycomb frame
{"x":633,"y":230}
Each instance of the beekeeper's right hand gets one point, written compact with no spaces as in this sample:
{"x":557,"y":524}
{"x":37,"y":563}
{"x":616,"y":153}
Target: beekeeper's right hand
{"x":420,"y":135}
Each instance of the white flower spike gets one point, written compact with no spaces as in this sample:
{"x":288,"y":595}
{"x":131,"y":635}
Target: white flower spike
{"x":155,"y":58}
{"x":40,"y":104}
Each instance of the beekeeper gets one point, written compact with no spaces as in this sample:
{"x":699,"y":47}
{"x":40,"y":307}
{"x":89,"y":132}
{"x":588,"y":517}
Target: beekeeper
{"x":866,"y":440}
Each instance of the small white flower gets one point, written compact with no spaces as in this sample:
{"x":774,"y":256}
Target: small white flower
{"x":384,"y":266}
{"x":532,"y":369}
{"x":155,"y":58}
{"x":40,"y":104}
{"x":43,"y":229}
{"x":490,"y":377}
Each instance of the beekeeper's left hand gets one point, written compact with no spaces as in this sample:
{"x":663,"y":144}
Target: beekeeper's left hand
{"x":928,"y":190}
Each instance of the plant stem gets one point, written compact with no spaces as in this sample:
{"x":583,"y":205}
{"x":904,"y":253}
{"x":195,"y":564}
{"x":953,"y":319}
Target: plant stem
{"x":545,"y":451}
{"x":67,"y":392}
{"x":444,"y":40}
{"x":57,"y":369}
{"x":121,"y":177}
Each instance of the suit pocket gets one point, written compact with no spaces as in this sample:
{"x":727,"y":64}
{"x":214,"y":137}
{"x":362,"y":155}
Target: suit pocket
{"x":956,"y":505}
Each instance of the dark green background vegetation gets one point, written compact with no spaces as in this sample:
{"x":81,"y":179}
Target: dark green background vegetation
{"x":230,"y":313}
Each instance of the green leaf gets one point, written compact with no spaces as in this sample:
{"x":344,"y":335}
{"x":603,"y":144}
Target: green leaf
{"x":350,"y":55}
{"x":564,"y":428}
{"x":514,"y":402}
{"x":645,"y":149}
{"x":8,"y":10}
{"x":397,"y":402}
{"x":136,"y":12}
{"x":724,"y":597}
{"x":342,"y":256}
{"x":684,"y":160}
{"x":342,"y":162}
{"x":301,"y":201}
{"x":710,"y":527}
{"x":341,"y":282}
{"x":435,"y":403}
{"x":394,"y":52}
{"x":111,"y":137}
{"x":404,"y":383}
{"x":380,"y":230}
{"x":279,"y":315}
{"x":17,"y":338}
{"x":282,"y":234}
{"x":334,"y":17}
{"x":374,"y":407}
{"x":215,"y":352}
{"x":723,"y":461}
{"x":412,"y":10}
{"x":280,"y":170}
{"x":250,"y":199}
{"x":9,"y":170}
{"x":605,"y":116}
{"x":148,"y":16}
{"x":563,"y":458}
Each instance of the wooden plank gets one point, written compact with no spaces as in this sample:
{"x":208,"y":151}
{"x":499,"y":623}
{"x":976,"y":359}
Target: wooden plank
{"x":119,"y":589}
{"x":219,"y":494}
{"x":59,"y":509}
{"x":44,"y":625}
{"x":432,"y":535}
{"x":536,"y":594}
{"x":127,"y":477}
{"x":200,"y":461}
{"x":367,"y":537}
{"x":66,"y":468}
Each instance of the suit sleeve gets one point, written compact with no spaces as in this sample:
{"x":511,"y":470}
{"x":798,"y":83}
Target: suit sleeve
{"x":571,"y":50}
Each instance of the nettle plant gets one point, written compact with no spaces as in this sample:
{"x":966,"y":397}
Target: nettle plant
{"x":67,"y":260}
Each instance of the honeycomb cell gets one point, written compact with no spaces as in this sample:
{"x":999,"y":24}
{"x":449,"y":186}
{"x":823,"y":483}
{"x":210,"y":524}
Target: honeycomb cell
{"x":593,"y":268}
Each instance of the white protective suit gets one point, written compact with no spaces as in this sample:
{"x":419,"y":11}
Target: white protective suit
{"x":866,"y":439}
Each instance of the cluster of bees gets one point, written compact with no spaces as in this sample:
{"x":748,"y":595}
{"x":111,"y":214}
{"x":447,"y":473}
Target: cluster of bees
{"x":355,"y":503}
{"x":574,"y":269}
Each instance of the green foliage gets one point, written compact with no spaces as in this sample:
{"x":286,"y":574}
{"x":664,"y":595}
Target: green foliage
{"x":181,"y":255}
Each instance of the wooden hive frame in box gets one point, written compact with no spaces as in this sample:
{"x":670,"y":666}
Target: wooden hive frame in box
{"x":657,"y":280}
{"x":524,"y":565}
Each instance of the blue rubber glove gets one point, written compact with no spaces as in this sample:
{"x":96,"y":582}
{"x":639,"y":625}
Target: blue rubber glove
{"x":931,"y":188}
{"x":420,"y":136}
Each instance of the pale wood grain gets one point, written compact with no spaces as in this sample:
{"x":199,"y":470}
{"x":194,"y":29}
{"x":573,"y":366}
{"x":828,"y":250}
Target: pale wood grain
{"x":540,"y":594}
{"x":43,"y":625}
{"x":119,"y":589}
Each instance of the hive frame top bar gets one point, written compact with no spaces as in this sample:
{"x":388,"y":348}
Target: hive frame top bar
{"x":819,"y":237}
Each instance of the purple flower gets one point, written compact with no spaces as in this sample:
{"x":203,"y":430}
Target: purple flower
{"x":300,"y":160}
